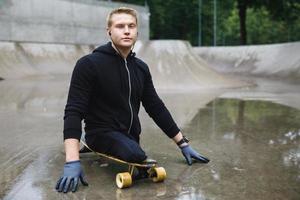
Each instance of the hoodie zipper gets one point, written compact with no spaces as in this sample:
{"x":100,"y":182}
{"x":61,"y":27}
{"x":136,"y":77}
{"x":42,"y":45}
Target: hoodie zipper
{"x":129,"y":96}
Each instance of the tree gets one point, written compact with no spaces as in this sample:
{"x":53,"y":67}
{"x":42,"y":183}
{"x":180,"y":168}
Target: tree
{"x":242,"y":7}
{"x":239,"y":22}
{"x":279,"y":10}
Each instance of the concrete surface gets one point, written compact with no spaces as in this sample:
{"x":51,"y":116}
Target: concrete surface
{"x":173,"y":64}
{"x":276,"y":60}
{"x":19,"y":60}
{"x":61,"y":21}
{"x":256,"y":157}
{"x":251,"y":134}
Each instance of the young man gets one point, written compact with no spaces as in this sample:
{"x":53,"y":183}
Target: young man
{"x":106,"y":90}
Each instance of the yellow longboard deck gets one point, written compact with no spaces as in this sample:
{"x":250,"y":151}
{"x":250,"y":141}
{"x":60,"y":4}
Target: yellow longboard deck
{"x":147,"y":164}
{"x":124,"y":180}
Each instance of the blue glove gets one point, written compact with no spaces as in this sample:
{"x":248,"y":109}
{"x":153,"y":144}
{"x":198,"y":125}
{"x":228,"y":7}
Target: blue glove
{"x":70,"y":178}
{"x":189,"y":153}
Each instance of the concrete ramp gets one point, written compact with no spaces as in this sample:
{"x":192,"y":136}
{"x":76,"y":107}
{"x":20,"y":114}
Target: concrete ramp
{"x":276,"y":60}
{"x":174,"y":65}
{"x":19,"y":60}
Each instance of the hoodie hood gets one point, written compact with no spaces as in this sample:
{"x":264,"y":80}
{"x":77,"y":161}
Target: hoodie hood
{"x":108,"y":49}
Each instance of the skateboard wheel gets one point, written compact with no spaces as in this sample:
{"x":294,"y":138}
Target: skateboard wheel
{"x":159,"y":174}
{"x":123,"y":180}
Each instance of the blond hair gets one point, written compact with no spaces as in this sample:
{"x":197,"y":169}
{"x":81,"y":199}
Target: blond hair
{"x":121,"y":10}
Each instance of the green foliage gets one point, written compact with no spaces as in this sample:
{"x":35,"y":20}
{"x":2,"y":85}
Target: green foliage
{"x":172,"y":19}
{"x":261,"y":29}
{"x":266,"y":22}
{"x":231,"y":29}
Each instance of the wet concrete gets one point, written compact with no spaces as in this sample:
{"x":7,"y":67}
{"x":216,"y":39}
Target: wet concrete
{"x":251,"y":135}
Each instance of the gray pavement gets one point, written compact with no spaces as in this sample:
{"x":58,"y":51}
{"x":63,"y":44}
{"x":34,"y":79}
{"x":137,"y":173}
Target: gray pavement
{"x":251,"y":134}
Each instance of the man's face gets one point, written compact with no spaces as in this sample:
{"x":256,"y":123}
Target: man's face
{"x":123,"y":30}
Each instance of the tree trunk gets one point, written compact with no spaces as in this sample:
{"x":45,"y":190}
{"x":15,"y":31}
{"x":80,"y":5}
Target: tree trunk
{"x":242,"y":6}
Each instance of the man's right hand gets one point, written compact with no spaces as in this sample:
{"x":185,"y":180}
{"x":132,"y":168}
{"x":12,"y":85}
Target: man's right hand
{"x":70,"y":177}
{"x":188,"y":152}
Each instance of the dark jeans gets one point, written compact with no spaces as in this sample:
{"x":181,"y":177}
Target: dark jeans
{"x":116,"y":144}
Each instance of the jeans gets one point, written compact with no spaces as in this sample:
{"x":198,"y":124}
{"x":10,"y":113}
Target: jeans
{"x":116,"y":144}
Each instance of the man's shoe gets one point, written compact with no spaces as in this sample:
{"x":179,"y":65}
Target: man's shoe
{"x":149,"y":161}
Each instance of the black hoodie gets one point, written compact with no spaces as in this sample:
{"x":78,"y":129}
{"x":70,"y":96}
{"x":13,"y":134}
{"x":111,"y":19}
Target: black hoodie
{"x":106,"y":91}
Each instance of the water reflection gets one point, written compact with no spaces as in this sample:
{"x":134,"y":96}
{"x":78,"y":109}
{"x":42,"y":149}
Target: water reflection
{"x":251,"y":142}
{"x":234,"y":119}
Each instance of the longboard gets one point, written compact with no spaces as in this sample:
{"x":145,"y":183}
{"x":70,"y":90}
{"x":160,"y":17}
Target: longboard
{"x":125,"y":179}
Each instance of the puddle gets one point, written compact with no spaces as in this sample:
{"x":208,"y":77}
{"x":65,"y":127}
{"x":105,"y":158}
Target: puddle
{"x":253,"y":147}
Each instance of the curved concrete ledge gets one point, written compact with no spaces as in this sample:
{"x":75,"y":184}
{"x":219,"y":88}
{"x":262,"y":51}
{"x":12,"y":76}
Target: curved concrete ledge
{"x":173,"y":63}
{"x":19,"y":60}
{"x":276,"y":60}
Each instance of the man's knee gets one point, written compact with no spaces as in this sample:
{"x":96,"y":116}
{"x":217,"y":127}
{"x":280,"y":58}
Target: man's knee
{"x":130,"y":152}
{"x":137,"y":156}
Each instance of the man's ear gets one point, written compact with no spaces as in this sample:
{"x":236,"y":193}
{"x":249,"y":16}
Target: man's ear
{"x":108,"y":31}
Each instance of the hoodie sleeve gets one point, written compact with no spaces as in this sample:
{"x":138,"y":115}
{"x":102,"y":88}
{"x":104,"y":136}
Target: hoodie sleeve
{"x":82,"y":82}
{"x":156,"y":109}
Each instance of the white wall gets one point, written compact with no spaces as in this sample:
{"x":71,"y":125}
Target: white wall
{"x":61,"y":21}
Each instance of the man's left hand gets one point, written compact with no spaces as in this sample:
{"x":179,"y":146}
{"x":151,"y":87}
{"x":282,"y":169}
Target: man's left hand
{"x":189,"y":153}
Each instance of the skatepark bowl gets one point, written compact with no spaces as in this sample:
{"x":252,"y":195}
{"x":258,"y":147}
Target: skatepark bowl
{"x":250,"y":132}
